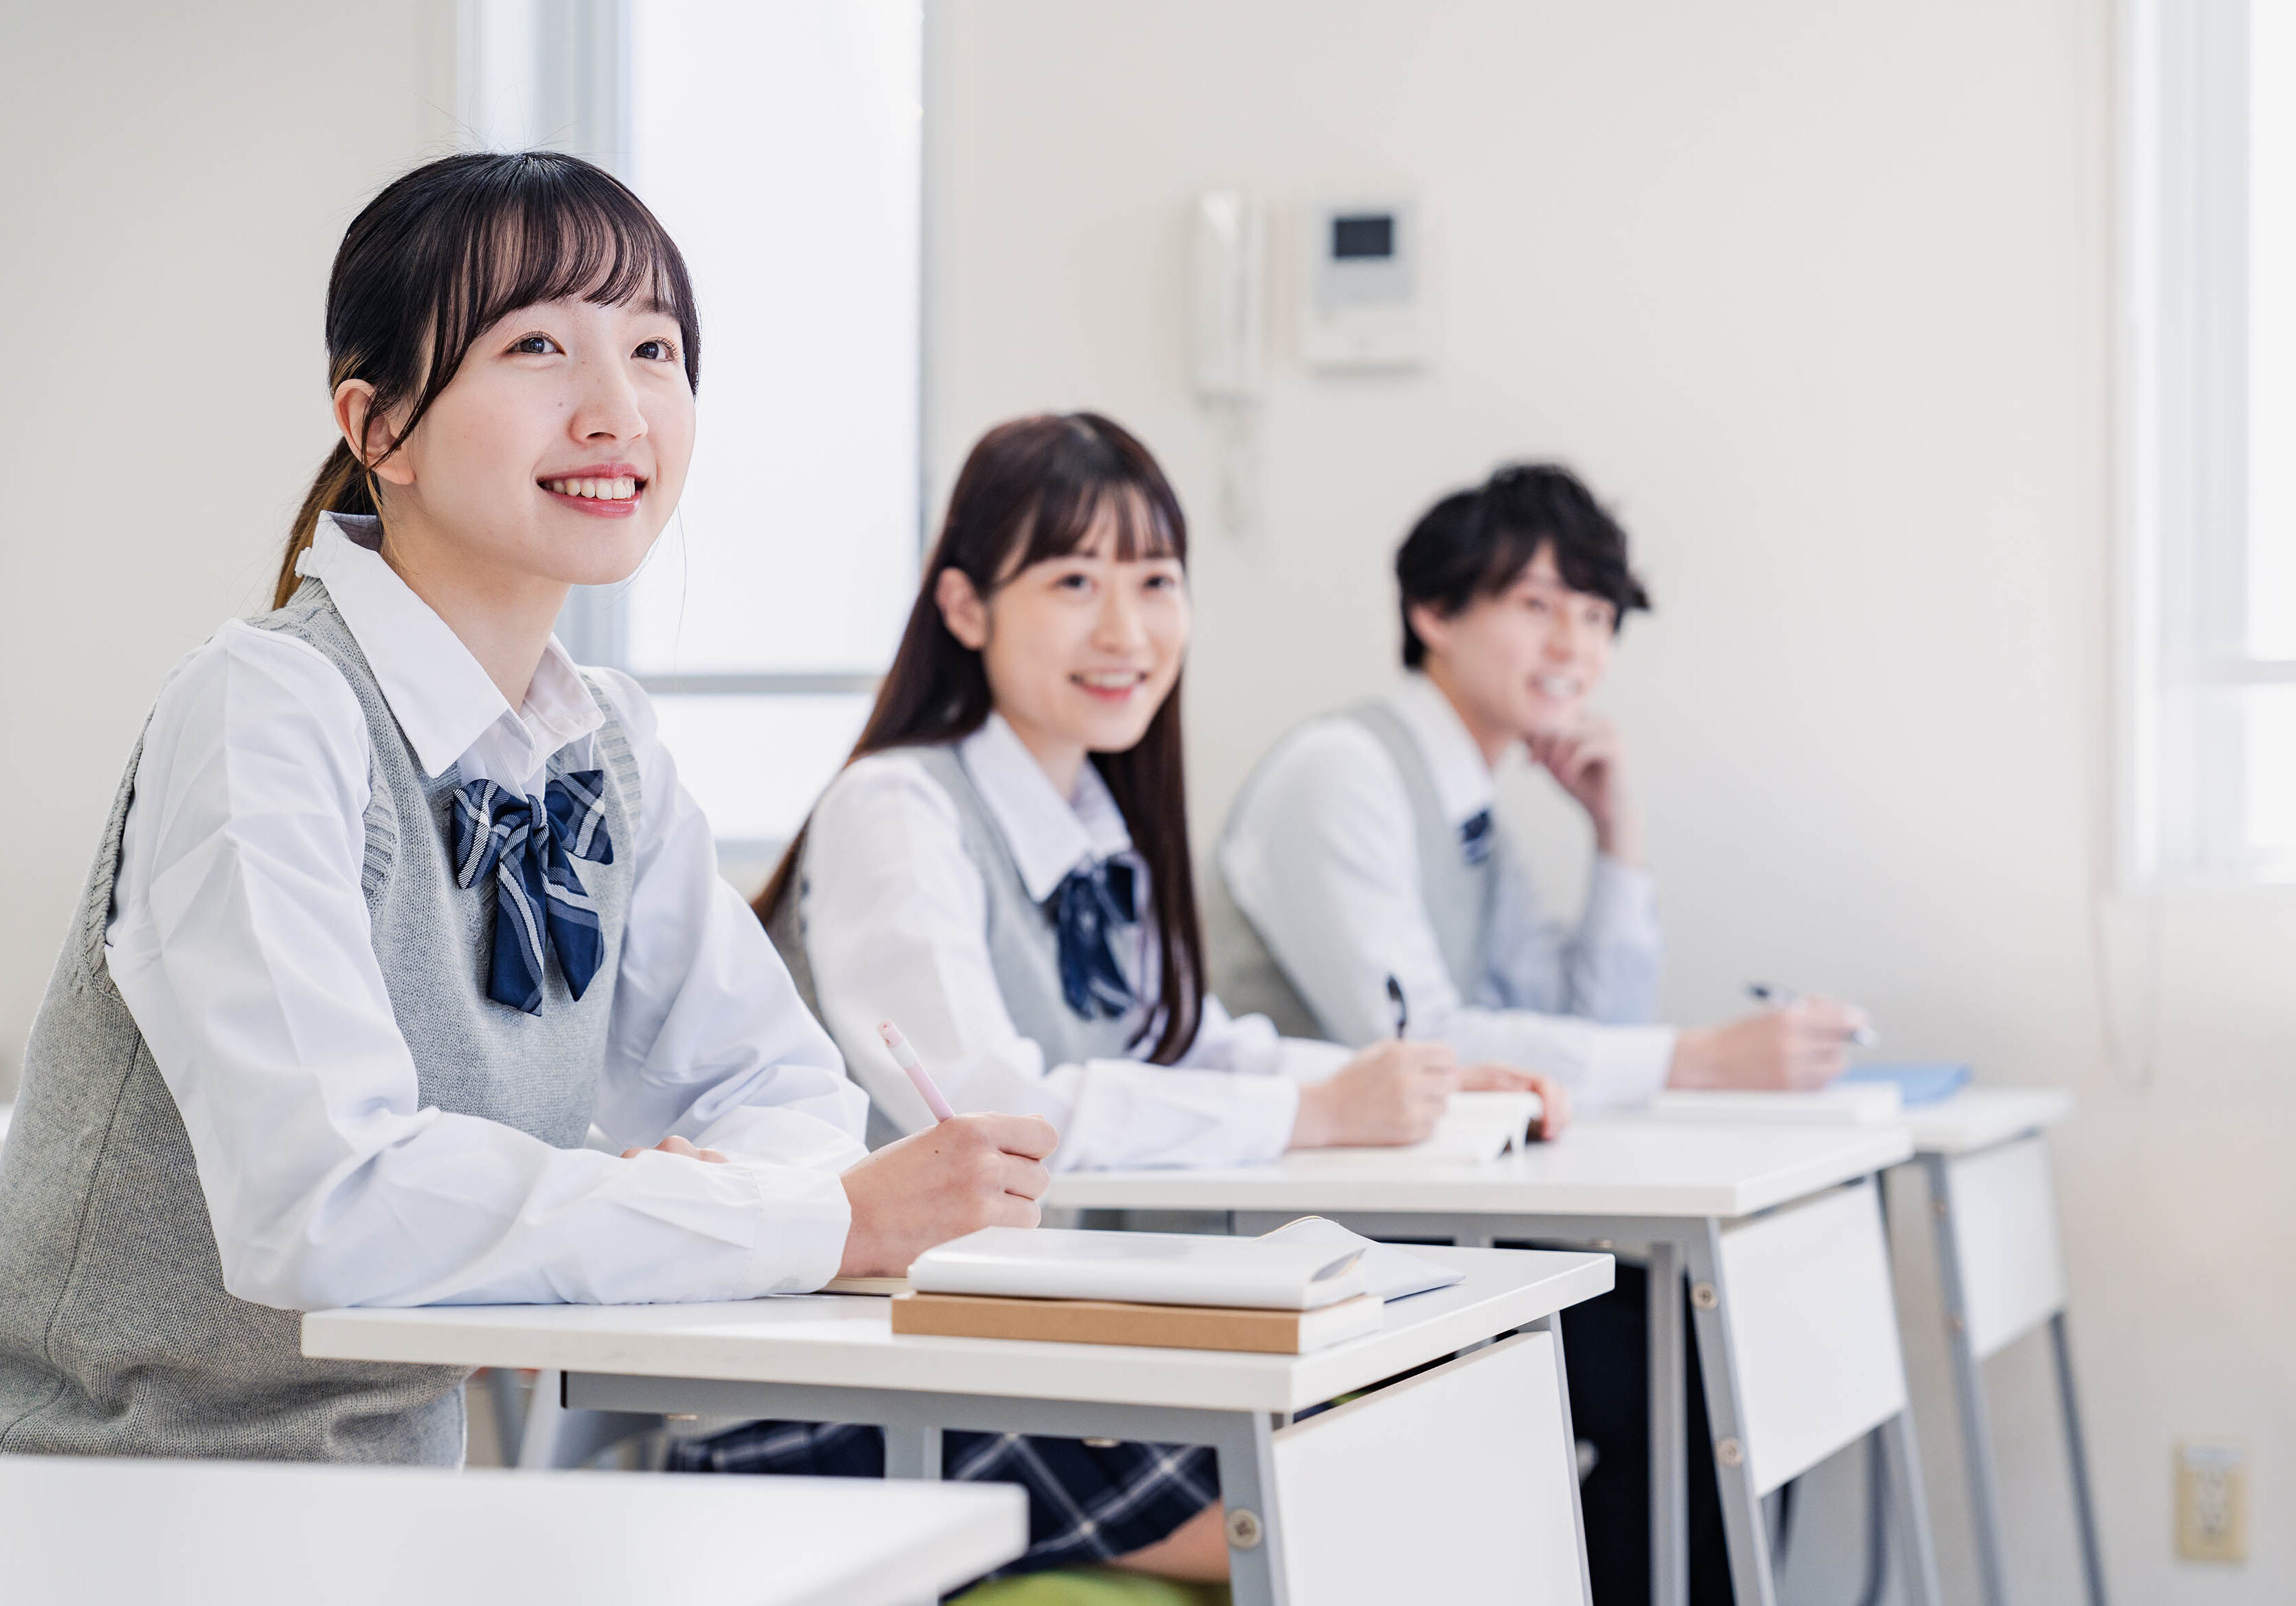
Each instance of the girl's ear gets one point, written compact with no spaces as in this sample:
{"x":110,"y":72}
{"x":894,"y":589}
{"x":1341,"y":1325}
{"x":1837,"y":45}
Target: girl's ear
{"x":962,"y":608}
{"x":369,"y":436}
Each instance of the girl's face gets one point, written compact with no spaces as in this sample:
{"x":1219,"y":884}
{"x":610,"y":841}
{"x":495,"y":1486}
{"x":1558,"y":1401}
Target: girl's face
{"x":557,"y":451}
{"x":1525,"y":660}
{"x":1081,"y":650}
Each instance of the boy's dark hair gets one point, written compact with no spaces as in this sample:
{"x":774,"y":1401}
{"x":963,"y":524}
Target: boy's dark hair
{"x":1477,"y":543}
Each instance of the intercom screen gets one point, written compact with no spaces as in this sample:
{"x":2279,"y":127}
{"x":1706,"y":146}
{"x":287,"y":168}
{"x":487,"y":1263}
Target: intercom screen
{"x":1356,"y":238}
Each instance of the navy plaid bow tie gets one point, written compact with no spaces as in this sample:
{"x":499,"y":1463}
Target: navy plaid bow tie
{"x":1089,"y":905}
{"x":1475,"y":836}
{"x":529,"y":846}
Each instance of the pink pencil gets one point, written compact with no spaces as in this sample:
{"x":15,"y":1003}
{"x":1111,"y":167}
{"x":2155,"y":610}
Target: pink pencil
{"x":907,"y":1059}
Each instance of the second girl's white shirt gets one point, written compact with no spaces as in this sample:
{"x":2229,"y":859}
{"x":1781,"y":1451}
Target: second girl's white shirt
{"x":239,"y":937}
{"x":895,"y":919}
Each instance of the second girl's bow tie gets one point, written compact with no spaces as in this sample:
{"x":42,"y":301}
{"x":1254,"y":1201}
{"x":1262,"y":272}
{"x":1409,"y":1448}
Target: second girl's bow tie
{"x":529,"y":846}
{"x":1090,"y":904}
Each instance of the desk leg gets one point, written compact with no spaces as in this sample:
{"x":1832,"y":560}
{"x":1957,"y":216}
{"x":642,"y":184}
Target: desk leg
{"x":1752,"y":1582}
{"x":1912,"y":1509}
{"x":913,"y":1453}
{"x":1969,"y":1392}
{"x":1670,"y":1432}
{"x":1246,"y":1448}
{"x":2076,"y":1453}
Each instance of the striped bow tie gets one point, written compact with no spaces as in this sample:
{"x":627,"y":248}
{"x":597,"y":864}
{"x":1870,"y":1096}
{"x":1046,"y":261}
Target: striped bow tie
{"x":1475,"y":836}
{"x":529,"y":846}
{"x":1089,"y":905}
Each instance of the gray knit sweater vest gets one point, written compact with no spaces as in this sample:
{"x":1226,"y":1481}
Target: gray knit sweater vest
{"x":1023,"y":940}
{"x":117,"y":1336}
{"x":1458,"y":898}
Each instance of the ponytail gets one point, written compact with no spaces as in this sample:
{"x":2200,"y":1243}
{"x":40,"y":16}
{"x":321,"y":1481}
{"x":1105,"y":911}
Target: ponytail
{"x":341,"y":487}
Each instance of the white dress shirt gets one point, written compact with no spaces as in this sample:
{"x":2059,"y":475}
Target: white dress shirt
{"x":239,"y":937}
{"x":1321,"y":855}
{"x":895,"y":919}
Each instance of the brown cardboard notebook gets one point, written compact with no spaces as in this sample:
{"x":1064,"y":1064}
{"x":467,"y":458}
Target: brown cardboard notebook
{"x":1109,"y":1322}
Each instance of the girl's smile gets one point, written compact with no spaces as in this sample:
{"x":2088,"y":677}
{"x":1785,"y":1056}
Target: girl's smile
{"x":1114,"y":687}
{"x":601,"y":490}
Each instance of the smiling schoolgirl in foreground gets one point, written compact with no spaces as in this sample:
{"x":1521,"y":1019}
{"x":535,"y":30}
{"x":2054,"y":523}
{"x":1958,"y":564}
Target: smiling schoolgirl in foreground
{"x":394,"y":902}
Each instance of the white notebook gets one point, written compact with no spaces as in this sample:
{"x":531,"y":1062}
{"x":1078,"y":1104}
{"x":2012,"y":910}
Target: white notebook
{"x":1475,"y":1129}
{"x":1852,"y":1104}
{"x":1147,"y":1269}
{"x":1390,"y":1271}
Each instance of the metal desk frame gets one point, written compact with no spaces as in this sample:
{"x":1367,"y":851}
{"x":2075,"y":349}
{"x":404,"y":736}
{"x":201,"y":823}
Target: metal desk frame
{"x":1969,"y":1398}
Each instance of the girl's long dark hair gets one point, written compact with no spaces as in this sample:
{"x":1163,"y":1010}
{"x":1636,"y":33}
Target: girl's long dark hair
{"x":446,"y":250}
{"x":1035,"y":488}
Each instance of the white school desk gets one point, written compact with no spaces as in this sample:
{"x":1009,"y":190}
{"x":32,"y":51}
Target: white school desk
{"x":1779,"y":1230}
{"x":129,"y":1532}
{"x":1318,"y":1508}
{"x":2002,"y":1266}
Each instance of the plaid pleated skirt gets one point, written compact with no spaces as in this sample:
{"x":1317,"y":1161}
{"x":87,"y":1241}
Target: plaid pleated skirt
{"x":1089,"y":1500}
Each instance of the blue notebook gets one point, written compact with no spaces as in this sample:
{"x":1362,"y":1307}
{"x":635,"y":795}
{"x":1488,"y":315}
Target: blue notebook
{"x":1918,"y":1081}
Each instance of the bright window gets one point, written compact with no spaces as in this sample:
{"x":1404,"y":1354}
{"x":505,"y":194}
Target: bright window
{"x":779,"y":141}
{"x":2209,"y":259}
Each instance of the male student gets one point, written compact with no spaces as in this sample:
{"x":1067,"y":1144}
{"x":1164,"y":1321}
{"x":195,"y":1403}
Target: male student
{"x":1365,"y":844}
{"x":1364,"y":847}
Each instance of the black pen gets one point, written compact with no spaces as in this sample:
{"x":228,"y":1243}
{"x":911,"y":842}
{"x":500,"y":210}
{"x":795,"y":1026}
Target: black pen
{"x":1402,"y":1010}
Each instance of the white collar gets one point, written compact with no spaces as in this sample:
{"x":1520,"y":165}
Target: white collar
{"x":1050,"y":835}
{"x":440,"y":697}
{"x":1455,"y":764}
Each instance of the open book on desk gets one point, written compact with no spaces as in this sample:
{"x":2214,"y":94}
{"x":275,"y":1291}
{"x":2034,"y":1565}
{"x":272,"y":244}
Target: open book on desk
{"x":1476,"y":1128}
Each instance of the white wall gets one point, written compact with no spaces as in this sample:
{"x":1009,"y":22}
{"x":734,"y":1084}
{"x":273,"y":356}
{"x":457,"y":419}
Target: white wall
{"x":1818,"y":294}
{"x":178,"y":179}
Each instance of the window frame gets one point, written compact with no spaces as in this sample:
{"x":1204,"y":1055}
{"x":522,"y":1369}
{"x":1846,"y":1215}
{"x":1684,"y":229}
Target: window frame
{"x":580,"y":101}
{"x":2181,"y":450}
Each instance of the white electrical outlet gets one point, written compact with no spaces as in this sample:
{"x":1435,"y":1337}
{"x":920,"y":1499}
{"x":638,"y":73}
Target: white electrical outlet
{"x":2213,"y":1499}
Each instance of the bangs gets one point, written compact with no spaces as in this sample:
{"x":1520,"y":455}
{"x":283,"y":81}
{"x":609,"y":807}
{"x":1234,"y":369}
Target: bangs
{"x":1512,"y":549}
{"x":1086,"y":478}
{"x":557,"y":235}
{"x":1061,"y":527}
{"x":484,"y":235}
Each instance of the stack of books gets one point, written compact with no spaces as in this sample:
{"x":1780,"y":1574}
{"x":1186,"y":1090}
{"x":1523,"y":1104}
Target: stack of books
{"x":1293,"y":1291}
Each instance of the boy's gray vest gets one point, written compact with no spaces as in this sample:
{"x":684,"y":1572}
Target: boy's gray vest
{"x":1023,"y":943}
{"x":1459,"y":900}
{"x":117,"y":1336}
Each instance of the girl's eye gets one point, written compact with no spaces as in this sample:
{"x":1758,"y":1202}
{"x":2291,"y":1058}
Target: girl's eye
{"x":533,"y":344}
{"x":1163,"y":582}
{"x":655,"y":351}
{"x":1073,"y":582}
